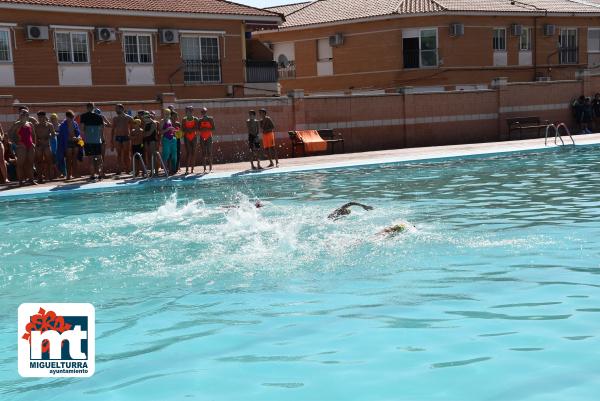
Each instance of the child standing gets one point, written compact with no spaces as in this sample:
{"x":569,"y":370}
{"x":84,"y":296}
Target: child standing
{"x":268,"y":129}
{"x":253,"y":139}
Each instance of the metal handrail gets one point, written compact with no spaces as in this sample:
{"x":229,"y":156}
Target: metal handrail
{"x":566,"y":129}
{"x":162,"y":163}
{"x":557,"y":134}
{"x":137,"y":155}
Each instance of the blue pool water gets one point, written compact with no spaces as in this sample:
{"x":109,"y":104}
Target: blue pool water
{"x":493,"y":297}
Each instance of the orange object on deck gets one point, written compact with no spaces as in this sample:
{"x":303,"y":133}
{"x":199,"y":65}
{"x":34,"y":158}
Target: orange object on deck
{"x":312,"y":141}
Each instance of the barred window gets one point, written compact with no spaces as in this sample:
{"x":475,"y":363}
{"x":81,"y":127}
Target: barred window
{"x":499,"y":39}
{"x":138,"y":49}
{"x":201,"y":59}
{"x":72,"y":47}
{"x":5,"y":45}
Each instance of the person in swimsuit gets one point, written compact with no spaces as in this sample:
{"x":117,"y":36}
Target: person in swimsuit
{"x":107,"y":124}
{"x":190,"y":138}
{"x":150,"y":142}
{"x":268,"y":129}
{"x":137,"y":142}
{"x":58,"y":169}
{"x":44,"y":132}
{"x":175,"y":121}
{"x":345,"y":210}
{"x":253,"y":139}
{"x":22,"y":134}
{"x":92,"y":126}
{"x":169,"y":142}
{"x":69,"y":142}
{"x":396,"y":229}
{"x":121,"y":128}
{"x":3,"y":162}
{"x":206,"y":125}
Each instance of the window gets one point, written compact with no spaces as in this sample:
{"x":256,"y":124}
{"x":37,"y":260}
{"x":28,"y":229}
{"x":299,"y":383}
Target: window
{"x":525,"y":41}
{"x":499,"y":40}
{"x":138,"y":49}
{"x":324,"y":50}
{"x":324,"y":57}
{"x":429,"y":48}
{"x":72,"y":47}
{"x":567,"y":42}
{"x":593,"y":40}
{"x":420,"y":48}
{"x":5,"y":54}
{"x":201,"y":59}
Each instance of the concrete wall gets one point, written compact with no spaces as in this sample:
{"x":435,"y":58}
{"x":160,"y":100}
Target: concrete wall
{"x":370,"y":122}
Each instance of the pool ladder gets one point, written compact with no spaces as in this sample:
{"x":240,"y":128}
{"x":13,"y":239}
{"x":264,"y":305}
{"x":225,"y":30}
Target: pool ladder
{"x":557,"y":133}
{"x":162,"y":163}
{"x":137,"y":155}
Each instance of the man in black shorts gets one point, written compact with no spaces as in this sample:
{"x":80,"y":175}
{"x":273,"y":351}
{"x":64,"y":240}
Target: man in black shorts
{"x":253,"y":139}
{"x":92,"y":125}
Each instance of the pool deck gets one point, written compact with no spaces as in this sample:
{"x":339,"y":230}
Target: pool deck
{"x":305,"y":164}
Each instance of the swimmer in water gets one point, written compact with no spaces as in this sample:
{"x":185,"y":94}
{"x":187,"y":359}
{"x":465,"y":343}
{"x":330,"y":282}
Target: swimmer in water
{"x":397,"y":229}
{"x":257,"y":204}
{"x":345,"y":210}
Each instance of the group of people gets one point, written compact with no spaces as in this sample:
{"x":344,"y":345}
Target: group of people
{"x":587,"y":113}
{"x":38,"y":149}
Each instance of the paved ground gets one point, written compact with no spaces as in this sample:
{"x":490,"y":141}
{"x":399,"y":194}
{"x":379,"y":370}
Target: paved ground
{"x":314,"y":162}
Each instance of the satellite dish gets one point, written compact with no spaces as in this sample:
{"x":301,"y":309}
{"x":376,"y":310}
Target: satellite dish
{"x":283,"y":61}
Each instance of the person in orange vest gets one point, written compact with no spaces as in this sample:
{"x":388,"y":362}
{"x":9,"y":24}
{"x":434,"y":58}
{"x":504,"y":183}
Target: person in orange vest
{"x":206,"y":125}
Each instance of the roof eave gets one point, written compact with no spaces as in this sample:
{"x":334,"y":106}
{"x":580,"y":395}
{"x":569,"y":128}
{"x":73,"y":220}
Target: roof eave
{"x":275,"y":18}
{"x":434,"y":14}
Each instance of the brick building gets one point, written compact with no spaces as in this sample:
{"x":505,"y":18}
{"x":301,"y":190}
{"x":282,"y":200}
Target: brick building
{"x":376,"y":45}
{"x":77,"y":50}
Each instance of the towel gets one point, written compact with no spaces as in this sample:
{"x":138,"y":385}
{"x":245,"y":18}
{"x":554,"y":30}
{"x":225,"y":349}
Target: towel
{"x":312,"y":141}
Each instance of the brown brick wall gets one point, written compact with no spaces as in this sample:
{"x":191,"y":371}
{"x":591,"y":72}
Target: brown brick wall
{"x":372,"y":122}
{"x":371,"y":56}
{"x":36,"y":67}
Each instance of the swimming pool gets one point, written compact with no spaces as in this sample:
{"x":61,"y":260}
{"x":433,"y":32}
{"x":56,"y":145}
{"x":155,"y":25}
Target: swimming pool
{"x":493,"y":297}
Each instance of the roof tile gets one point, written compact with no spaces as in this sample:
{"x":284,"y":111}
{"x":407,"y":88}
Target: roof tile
{"x":332,"y":11}
{"x":183,"y":6}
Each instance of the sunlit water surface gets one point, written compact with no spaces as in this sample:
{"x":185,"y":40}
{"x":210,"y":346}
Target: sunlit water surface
{"x":494,"y":296}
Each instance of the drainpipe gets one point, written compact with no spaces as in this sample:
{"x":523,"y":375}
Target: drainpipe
{"x":535,"y":39}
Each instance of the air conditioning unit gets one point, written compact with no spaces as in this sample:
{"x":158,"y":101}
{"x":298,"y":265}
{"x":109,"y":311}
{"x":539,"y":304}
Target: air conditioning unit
{"x":549,"y":30}
{"x":516,"y":29}
{"x":168,"y":36}
{"x":457,"y":29}
{"x":336,"y":40}
{"x":37,"y":32}
{"x":106,"y":34}
{"x":544,"y":79}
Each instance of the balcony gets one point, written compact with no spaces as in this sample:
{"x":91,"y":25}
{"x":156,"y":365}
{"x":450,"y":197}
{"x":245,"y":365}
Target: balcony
{"x":261,"y":71}
{"x":287,"y":71}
